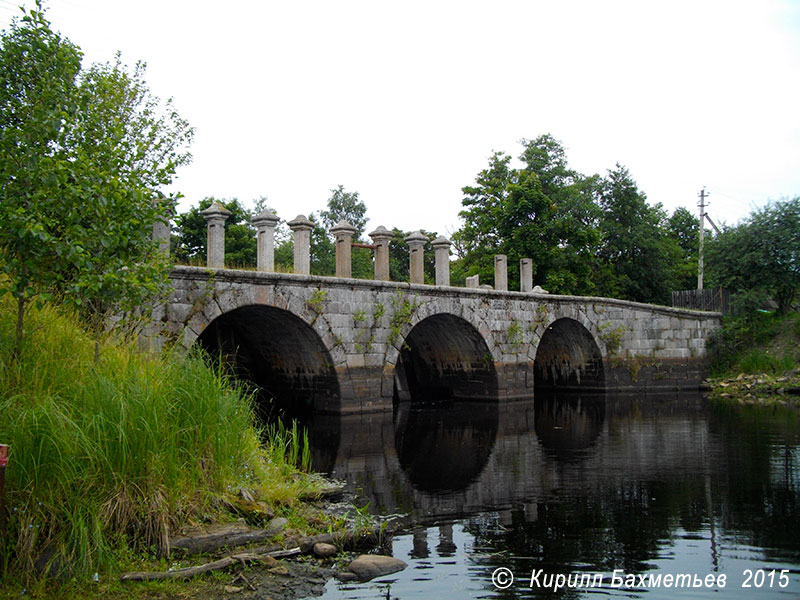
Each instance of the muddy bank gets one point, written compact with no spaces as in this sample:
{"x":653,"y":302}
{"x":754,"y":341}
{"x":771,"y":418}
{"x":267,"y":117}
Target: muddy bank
{"x":297,"y":566}
{"x":756,"y":389}
{"x":291,"y":579}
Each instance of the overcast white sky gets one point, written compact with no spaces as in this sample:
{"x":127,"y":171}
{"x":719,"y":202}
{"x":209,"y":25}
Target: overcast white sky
{"x":405,"y":101}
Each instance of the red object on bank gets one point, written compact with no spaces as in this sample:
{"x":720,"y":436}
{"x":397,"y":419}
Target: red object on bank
{"x":3,"y":455}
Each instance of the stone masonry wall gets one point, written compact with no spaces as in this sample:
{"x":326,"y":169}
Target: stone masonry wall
{"x":362,"y":324}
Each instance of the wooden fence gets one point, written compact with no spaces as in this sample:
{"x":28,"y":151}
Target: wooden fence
{"x":712,"y":299}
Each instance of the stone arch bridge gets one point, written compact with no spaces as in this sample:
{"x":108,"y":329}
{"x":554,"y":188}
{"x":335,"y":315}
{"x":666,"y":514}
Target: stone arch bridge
{"x":341,"y":345}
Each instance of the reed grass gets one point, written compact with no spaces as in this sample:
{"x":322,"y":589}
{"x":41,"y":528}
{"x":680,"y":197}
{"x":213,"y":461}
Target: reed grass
{"x":111,"y":456}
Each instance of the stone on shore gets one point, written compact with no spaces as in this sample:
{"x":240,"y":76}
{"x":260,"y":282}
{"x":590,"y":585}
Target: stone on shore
{"x":370,"y":566}
{"x":323,"y":550}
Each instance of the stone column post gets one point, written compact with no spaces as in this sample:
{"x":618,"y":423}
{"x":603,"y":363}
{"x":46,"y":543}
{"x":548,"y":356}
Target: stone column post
{"x":501,"y":272}
{"x":302,"y":227}
{"x":216,"y":215}
{"x":343,"y":232}
{"x":380,"y":237}
{"x":473,"y":282}
{"x":441,"y":248}
{"x":265,"y":223}
{"x":161,"y":226}
{"x":416,"y":255}
{"x":525,"y":274}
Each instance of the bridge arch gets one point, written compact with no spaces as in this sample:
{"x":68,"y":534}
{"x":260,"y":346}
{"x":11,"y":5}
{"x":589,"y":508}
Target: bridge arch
{"x":279,"y":352}
{"x":442,"y":356}
{"x":568,"y":357}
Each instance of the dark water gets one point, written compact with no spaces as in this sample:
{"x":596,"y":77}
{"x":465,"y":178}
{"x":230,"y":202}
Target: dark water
{"x":658,"y":494}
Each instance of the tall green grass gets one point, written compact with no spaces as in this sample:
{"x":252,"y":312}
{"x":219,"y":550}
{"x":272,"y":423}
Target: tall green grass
{"x":288,"y":444}
{"x":120,"y":452}
{"x":743,"y":344}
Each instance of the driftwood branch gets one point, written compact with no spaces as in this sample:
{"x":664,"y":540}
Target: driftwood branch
{"x":223,"y":563}
{"x":212,"y":542}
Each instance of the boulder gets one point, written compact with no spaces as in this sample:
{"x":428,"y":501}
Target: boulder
{"x":369,"y":566}
{"x":324,"y":550}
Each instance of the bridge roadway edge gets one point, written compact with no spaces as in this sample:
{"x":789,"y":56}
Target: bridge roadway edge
{"x":642,"y":346}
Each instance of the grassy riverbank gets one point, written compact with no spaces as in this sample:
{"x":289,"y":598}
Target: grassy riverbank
{"x":108,"y":459}
{"x":757,"y":360}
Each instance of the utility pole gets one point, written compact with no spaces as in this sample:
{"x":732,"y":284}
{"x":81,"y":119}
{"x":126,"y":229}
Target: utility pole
{"x":700,"y":266}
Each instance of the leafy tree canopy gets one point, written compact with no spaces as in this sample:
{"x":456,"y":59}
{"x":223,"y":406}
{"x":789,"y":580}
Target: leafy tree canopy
{"x":83,"y":157}
{"x":587,"y":235}
{"x":344,"y":205}
{"x":760,"y":257}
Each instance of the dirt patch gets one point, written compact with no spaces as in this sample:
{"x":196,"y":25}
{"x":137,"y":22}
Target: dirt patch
{"x":291,"y":579}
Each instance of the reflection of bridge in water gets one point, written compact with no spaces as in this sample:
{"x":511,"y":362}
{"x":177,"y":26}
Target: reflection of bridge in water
{"x":460,"y":459}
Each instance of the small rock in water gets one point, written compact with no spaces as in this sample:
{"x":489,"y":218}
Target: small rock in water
{"x":232,"y":589}
{"x":369,"y":566}
{"x":324,"y":550}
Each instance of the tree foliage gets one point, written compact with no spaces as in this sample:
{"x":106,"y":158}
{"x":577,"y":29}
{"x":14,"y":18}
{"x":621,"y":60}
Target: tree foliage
{"x":684,"y":231}
{"x":586,"y":235}
{"x":344,"y":205}
{"x":635,"y":254}
{"x":83,"y":156}
{"x":760,"y":258}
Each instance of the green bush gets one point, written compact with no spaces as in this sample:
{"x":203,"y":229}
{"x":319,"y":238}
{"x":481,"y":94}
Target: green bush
{"x":738,"y":345}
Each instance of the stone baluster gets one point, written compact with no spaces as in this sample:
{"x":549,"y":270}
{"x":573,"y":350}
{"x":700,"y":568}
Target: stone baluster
{"x":216,"y":215}
{"x":302,"y":227}
{"x":343,"y":232}
{"x":265,"y":223}
{"x":416,"y":256}
{"x":161,"y":226}
{"x":501,"y":272}
{"x":380,"y":237}
{"x":473,"y":282}
{"x":441,"y":248}
{"x":525,"y":275}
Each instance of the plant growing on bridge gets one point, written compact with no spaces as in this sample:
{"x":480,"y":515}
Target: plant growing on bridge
{"x":361,"y":344}
{"x":403,"y":309}
{"x":379,"y":311}
{"x":318,"y":297}
{"x":514,"y":334}
{"x":611,"y":336}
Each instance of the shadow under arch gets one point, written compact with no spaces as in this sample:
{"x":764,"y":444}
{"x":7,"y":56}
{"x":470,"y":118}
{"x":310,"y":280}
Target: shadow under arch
{"x":444,"y":357}
{"x":280,"y":353}
{"x":568,"y":358}
{"x":569,"y":389}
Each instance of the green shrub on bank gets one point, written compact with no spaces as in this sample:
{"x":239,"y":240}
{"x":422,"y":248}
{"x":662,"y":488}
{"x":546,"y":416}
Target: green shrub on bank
{"x":116,"y":453}
{"x":742,"y":344}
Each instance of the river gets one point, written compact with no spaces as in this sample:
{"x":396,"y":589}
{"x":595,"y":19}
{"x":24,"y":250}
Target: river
{"x":654,"y":496}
